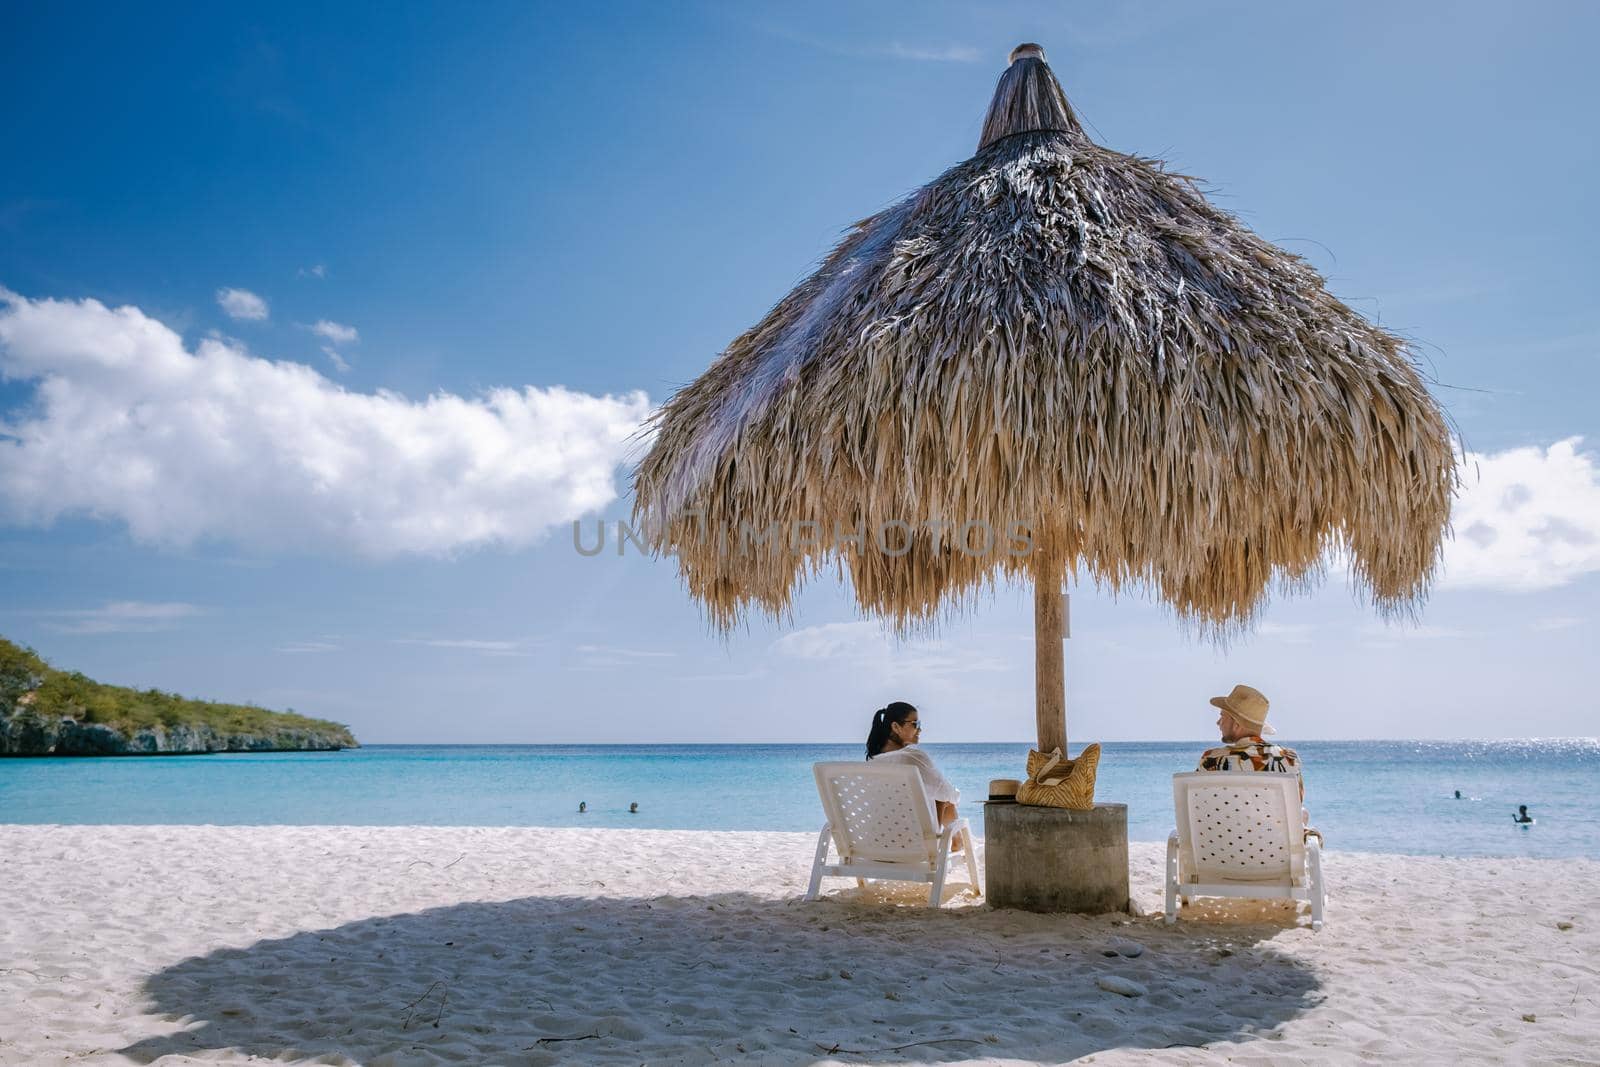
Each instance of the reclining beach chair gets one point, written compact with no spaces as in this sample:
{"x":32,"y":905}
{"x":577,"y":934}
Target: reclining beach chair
{"x":1242,"y":834}
{"x":882,"y":825}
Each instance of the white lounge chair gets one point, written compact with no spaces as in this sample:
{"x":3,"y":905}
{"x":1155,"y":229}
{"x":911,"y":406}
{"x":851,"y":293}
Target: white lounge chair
{"x":1242,"y":834}
{"x":882,"y":825}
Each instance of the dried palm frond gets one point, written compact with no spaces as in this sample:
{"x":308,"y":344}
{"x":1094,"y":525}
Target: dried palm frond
{"x":1055,"y":334}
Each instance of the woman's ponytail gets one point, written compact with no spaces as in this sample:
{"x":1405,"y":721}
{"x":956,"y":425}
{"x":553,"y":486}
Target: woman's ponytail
{"x":883,"y":721}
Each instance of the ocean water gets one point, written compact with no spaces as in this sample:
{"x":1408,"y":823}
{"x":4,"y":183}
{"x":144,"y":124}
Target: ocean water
{"x":1380,"y":796}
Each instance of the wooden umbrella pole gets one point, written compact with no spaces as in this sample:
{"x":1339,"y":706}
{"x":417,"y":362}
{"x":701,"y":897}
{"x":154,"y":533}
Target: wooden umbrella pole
{"x":1049,"y":631}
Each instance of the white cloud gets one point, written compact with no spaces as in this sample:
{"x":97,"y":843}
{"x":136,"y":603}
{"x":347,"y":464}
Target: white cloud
{"x":242,"y":304}
{"x":727,"y":676}
{"x":319,"y":270}
{"x":626,"y":653}
{"x":602,"y":657}
{"x":1552,"y":623}
{"x":123,"y":616}
{"x":830,"y":640}
{"x":868,"y":646}
{"x":308,"y":647}
{"x":488,"y":648}
{"x":126,"y":424}
{"x":892,"y":50}
{"x":1527,"y":519}
{"x":335,"y":333}
{"x":944,"y":54}
{"x":1404,"y":631}
{"x":1292,"y":633}
{"x":340,"y":364}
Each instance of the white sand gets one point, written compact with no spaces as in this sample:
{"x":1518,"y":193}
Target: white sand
{"x":421,"y":945}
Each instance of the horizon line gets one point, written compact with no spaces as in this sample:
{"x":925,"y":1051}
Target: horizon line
{"x":803,"y":744}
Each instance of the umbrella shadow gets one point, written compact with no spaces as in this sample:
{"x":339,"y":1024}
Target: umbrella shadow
{"x":693,"y":979}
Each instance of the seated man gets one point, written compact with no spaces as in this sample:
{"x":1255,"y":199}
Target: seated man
{"x":1243,"y":722}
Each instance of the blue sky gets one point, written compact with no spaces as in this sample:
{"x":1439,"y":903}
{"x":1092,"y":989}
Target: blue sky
{"x":324,"y":321}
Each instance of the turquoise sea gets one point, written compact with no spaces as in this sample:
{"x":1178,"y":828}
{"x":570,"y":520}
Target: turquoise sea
{"x":1381,"y":796}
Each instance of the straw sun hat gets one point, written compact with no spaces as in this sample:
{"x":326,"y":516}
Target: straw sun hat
{"x":1247,"y":705}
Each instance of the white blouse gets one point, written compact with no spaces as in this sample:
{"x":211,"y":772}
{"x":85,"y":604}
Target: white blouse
{"x":937,"y":785}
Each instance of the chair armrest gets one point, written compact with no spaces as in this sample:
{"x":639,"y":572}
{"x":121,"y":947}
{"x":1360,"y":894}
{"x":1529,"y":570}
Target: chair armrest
{"x":1172,"y":838}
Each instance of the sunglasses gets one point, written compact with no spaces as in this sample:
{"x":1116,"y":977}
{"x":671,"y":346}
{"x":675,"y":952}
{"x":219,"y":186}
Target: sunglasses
{"x":915,"y":724}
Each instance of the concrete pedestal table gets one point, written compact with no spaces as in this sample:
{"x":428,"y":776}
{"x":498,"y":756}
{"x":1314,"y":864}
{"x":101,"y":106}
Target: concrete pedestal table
{"x":1052,"y":859}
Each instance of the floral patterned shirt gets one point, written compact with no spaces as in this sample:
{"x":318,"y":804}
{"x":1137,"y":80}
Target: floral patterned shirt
{"x":1253,"y":754}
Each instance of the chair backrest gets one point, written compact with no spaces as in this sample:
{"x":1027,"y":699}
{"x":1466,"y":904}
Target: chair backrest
{"x":878,"y":812}
{"x":1239,"y":827}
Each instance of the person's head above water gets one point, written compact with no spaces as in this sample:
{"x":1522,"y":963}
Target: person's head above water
{"x":1522,"y":809}
{"x":894,"y":726}
{"x":583,"y":805}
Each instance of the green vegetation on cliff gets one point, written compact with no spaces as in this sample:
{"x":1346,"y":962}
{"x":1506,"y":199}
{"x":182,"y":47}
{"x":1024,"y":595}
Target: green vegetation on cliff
{"x":59,"y":694}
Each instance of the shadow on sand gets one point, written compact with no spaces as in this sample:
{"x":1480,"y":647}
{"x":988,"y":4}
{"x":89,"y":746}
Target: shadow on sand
{"x":732,"y":976}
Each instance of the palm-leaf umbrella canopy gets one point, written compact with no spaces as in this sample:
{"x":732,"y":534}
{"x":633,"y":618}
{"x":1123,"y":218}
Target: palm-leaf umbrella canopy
{"x":1059,"y":335}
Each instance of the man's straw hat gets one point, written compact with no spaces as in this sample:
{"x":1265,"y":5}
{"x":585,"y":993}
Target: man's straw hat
{"x":1247,"y":705}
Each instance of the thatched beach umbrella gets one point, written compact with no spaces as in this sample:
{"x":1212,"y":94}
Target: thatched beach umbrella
{"x":1057,"y":335}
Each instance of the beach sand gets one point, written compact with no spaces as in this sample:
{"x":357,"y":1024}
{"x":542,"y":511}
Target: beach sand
{"x":407,"y":945}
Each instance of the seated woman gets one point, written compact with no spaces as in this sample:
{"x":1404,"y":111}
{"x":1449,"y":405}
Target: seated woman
{"x":896,"y":729}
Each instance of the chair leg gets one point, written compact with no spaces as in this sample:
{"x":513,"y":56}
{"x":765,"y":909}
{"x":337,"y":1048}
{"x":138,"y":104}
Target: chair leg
{"x":972,"y":858}
{"x":1319,"y":892}
{"x":818,"y":862}
{"x":941,"y":865}
{"x":1172,"y":878}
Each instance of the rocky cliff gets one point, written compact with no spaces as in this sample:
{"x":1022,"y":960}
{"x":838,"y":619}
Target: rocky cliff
{"x":23,"y":733}
{"x":44,"y":712}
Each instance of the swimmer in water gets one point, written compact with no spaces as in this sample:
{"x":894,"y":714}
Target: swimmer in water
{"x":1458,"y":794}
{"x":583,"y":806}
{"x":1522,"y":815}
{"x":633,"y":809}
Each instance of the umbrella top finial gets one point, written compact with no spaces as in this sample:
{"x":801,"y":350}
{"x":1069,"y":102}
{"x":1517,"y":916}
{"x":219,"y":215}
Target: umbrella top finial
{"x":1028,"y":99}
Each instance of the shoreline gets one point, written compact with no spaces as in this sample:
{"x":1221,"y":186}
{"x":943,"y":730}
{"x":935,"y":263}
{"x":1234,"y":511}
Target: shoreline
{"x":532,"y":827}
{"x":162,"y":754}
{"x":1134,"y":841}
{"x":346,"y":944}
{"x":810,"y":835}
